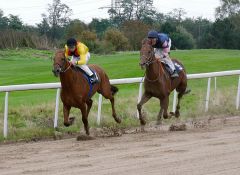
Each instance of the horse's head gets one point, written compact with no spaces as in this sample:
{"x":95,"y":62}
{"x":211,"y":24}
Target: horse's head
{"x":59,"y":63}
{"x":146,"y":54}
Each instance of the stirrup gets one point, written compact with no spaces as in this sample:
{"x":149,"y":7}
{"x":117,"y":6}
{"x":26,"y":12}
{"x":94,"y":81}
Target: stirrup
{"x":175,"y":74}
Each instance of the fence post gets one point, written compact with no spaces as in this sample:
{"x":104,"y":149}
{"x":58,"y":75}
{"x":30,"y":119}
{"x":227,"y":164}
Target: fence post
{"x":99,"y":109}
{"x":215,"y":84}
{"x":174,"y":101}
{"x":5,"y":125}
{"x":238,"y":94}
{"x":56,"y":108}
{"x":208,"y":94}
{"x":139,"y":95}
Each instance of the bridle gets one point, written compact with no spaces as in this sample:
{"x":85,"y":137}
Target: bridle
{"x":62,"y":70}
{"x":150,"y":60}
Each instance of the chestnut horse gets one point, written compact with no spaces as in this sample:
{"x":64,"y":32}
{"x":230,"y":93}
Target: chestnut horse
{"x":158,"y":83}
{"x":76,"y":90}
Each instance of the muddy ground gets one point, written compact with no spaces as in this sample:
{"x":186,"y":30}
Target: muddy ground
{"x":210,"y":146}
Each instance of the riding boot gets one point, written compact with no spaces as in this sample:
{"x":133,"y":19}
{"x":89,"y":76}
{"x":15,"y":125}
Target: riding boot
{"x":94,"y":78}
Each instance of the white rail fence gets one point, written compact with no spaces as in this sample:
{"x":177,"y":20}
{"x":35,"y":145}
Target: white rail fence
{"x":57,"y":86}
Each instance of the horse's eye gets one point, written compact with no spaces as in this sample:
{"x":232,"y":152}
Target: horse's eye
{"x":149,"y":52}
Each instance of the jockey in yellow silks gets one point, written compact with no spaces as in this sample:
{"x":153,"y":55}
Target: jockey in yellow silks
{"x":80,"y":56}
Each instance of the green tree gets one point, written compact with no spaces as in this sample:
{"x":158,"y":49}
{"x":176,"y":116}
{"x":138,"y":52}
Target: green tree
{"x":44,"y":28}
{"x":3,"y":21}
{"x":99,"y":26}
{"x":135,"y":31}
{"x":177,"y":14}
{"x":90,"y":39}
{"x":225,"y":35}
{"x":75,"y":29}
{"x":182,"y":39}
{"x":57,"y":18}
{"x":15,"y":22}
{"x":168,"y":27}
{"x":200,"y":29}
{"x":132,"y":10}
{"x":228,"y":8}
{"x":117,"y":39}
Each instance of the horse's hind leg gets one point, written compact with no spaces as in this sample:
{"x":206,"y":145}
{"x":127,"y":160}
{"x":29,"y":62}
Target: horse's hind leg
{"x":85,"y":117}
{"x":143,"y":100}
{"x":177,"y":112}
{"x":118,"y":120}
{"x":108,"y":94}
{"x":182,"y":90}
{"x":89,"y":105}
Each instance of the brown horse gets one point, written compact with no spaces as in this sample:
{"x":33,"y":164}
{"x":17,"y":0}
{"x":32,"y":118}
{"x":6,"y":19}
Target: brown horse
{"x":158,"y":83}
{"x":77,"y":92}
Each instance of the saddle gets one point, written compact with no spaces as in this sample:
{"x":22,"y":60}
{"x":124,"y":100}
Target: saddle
{"x":87,"y":77}
{"x":178,"y":67}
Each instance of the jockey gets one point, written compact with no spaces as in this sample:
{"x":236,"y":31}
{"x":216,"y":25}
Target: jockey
{"x":79,"y":57}
{"x":162,"y":44}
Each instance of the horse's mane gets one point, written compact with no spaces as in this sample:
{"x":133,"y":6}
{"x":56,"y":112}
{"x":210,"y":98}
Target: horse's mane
{"x":145,"y":41}
{"x":60,"y":51}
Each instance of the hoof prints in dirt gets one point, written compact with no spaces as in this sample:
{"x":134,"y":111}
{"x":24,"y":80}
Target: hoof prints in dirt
{"x":107,"y":132}
{"x":178,"y":127}
{"x":84,"y":138}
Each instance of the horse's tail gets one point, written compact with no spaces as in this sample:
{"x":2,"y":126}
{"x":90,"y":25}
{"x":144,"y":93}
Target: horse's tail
{"x":114,"y":89}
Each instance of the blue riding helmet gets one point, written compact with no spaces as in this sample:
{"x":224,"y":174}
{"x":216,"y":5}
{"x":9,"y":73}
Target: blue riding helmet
{"x":152,"y":34}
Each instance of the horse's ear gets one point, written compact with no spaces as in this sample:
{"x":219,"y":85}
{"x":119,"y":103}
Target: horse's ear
{"x":145,"y":41}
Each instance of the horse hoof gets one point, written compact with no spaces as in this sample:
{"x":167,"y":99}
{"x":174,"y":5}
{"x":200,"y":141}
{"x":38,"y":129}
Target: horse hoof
{"x":66,"y":124}
{"x":71,"y":120}
{"x":118,"y":120}
{"x":177,"y":114}
{"x":172,"y":114}
{"x":165,"y":116}
{"x":143,"y":122}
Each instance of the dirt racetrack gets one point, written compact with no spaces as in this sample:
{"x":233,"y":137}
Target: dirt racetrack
{"x":206,"y":147}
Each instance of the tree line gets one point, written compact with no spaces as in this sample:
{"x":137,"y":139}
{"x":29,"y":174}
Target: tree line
{"x":127,"y":25}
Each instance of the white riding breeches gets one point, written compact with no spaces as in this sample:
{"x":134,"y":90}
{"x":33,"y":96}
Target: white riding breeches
{"x":84,"y":67}
{"x":163,"y":54}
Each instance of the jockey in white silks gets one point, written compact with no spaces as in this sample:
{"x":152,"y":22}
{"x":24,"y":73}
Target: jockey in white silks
{"x":162,"y":45}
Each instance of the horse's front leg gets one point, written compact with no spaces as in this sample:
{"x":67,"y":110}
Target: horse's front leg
{"x":164,"y":106}
{"x":159,"y":117}
{"x":67,"y":121}
{"x":84,"y":117}
{"x":143,"y":100}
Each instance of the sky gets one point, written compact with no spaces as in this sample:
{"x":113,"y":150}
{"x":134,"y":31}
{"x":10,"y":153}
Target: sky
{"x":29,"y":11}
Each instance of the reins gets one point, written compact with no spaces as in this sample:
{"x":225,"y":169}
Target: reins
{"x":63,"y":71}
{"x":150,"y":61}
